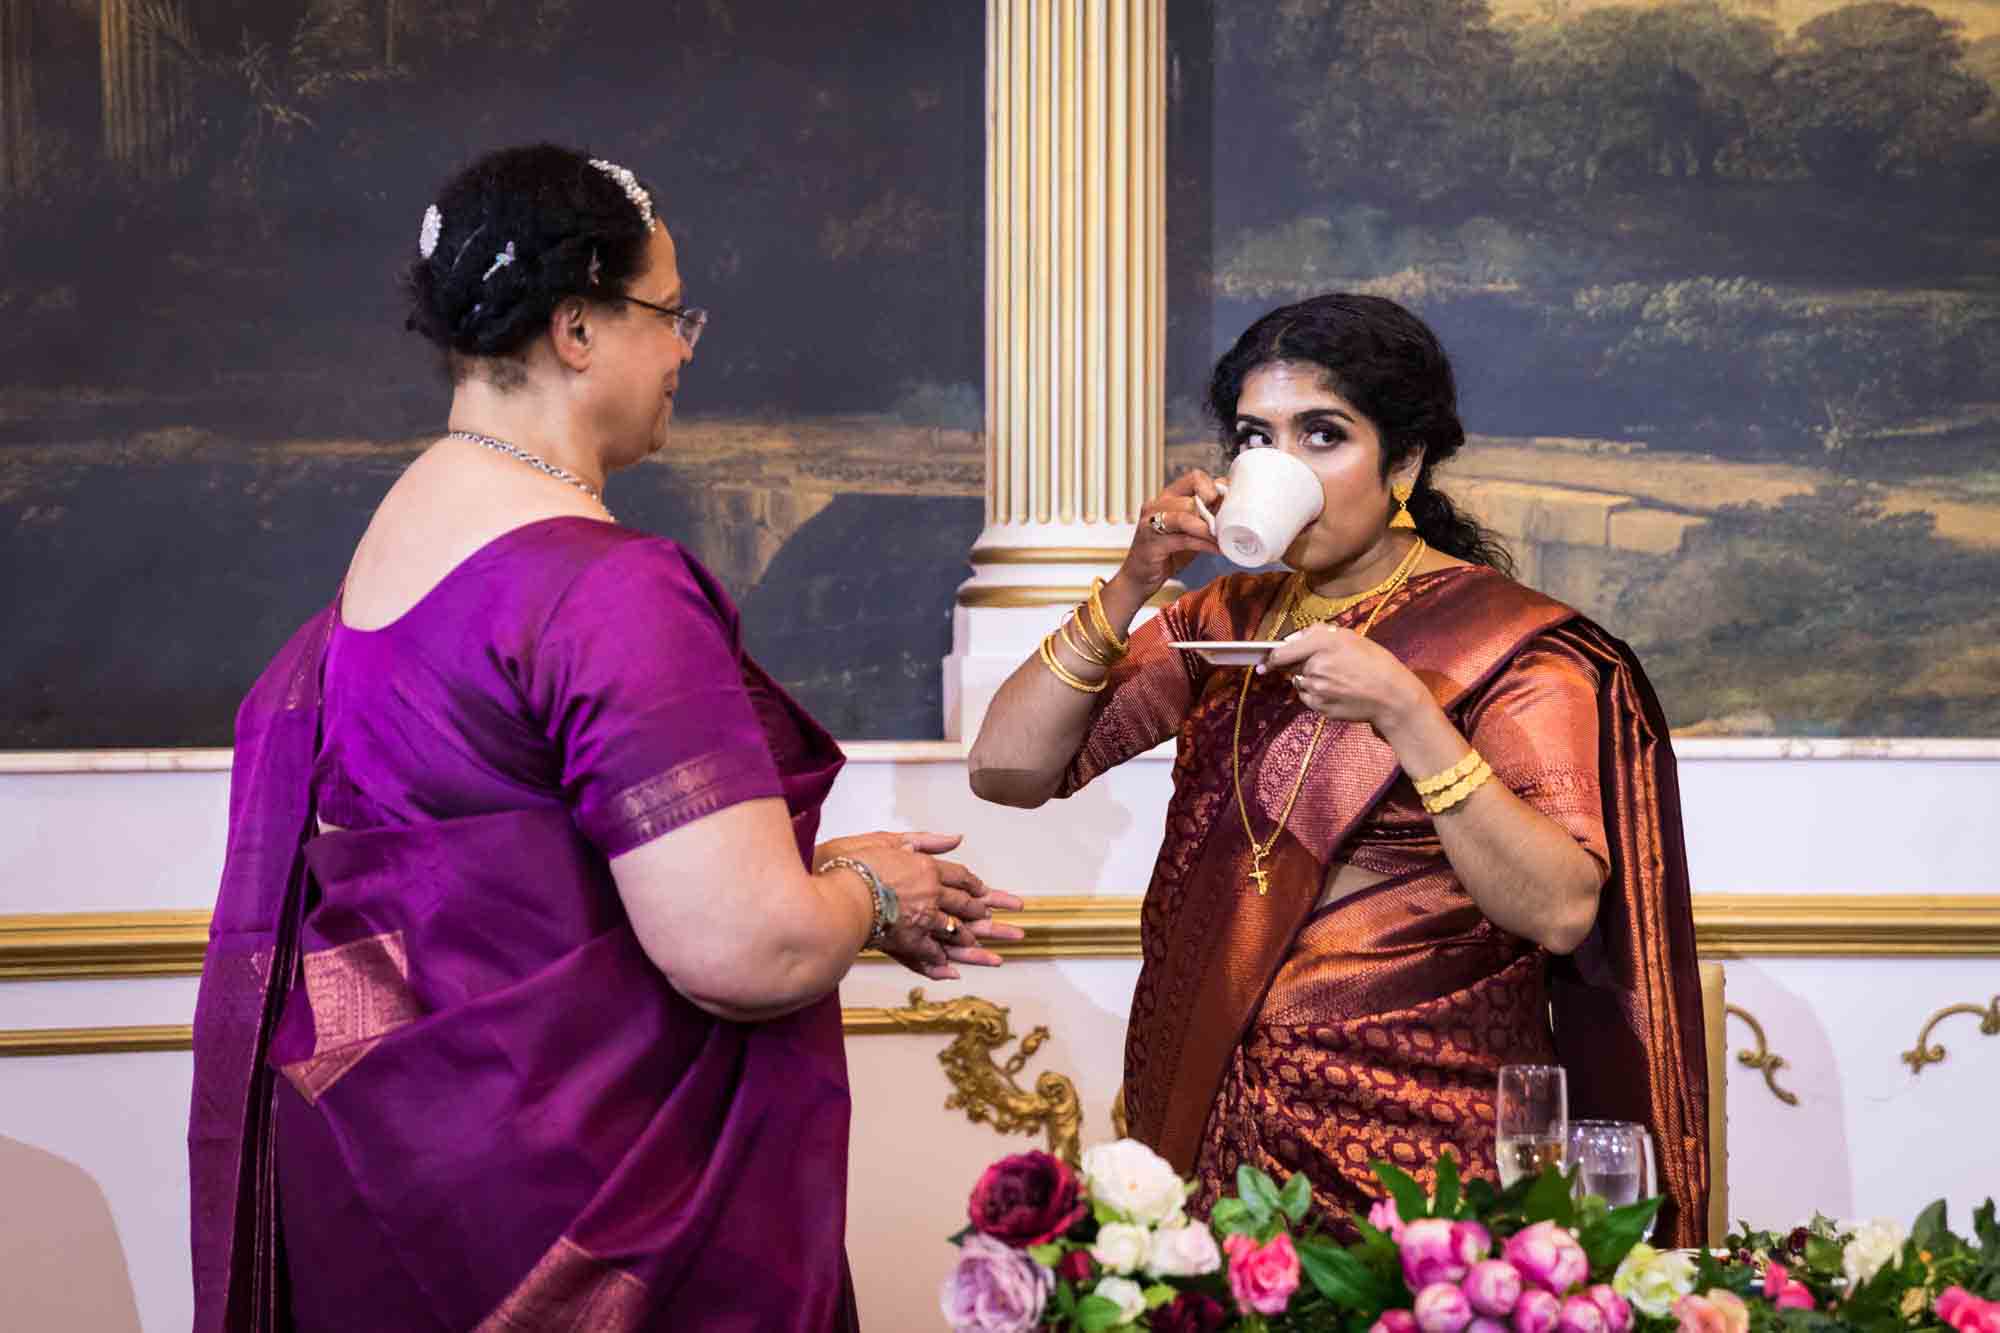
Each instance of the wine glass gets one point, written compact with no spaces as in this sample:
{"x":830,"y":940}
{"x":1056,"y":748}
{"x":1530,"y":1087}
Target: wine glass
{"x":1613,"y":1160}
{"x":1530,"y":1120}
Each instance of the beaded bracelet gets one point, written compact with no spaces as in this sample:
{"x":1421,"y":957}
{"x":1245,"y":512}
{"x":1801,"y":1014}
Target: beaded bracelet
{"x":1453,"y":796}
{"x":1437,"y":782}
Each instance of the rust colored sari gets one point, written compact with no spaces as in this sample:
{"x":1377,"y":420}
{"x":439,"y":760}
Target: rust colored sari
{"x":1301,"y":1040}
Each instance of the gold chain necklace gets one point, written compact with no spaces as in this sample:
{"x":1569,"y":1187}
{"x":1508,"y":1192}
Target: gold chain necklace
{"x":1258,"y":851}
{"x":1307,"y":607}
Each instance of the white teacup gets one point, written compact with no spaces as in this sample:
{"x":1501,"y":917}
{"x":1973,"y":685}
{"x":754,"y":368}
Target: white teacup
{"x":1269,"y":499}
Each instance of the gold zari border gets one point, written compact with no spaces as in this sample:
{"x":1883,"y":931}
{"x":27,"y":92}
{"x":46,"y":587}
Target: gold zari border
{"x":39,"y":947}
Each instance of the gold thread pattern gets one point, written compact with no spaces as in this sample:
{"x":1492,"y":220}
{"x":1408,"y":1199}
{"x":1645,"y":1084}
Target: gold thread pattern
{"x":983,"y":1087}
{"x":1762,"y":1058}
{"x":1927,"y":1054}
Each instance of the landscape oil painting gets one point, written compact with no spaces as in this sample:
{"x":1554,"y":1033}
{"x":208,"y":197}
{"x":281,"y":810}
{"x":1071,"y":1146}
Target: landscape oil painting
{"x":205,"y":383}
{"x":1721,"y":279}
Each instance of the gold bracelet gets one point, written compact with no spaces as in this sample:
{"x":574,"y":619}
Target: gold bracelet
{"x":1103,"y":622}
{"x":1437,"y":782}
{"x":1453,"y":796}
{"x":1064,"y":674}
{"x":1081,"y":643}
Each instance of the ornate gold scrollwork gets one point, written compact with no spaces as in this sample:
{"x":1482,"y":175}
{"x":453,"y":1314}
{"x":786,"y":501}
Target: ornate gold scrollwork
{"x":1927,"y":1054}
{"x":985,"y":1088}
{"x":1762,"y":1058}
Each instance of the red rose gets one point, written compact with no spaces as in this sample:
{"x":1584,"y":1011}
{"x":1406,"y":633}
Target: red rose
{"x":1076,"y":1268}
{"x":1028,"y":1199}
{"x":1189,"y":1312}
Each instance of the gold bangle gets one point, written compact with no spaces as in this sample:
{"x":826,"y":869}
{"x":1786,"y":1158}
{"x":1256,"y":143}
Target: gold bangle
{"x":1081,"y":644}
{"x":1103,"y":622}
{"x":1453,"y":796}
{"x":1064,"y":674}
{"x":1437,"y":782}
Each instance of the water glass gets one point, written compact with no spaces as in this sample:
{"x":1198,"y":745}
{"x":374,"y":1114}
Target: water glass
{"x":1613,"y":1160}
{"x":1531,"y":1120}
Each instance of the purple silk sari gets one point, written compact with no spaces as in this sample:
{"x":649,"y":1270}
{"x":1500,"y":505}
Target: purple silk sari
{"x":438,"y":1084}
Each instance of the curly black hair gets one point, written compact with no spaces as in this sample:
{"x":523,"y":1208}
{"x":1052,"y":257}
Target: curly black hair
{"x":574,"y":232}
{"x":1388,"y":363}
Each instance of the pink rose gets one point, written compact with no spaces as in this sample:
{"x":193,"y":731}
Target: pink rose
{"x":994,"y":1289}
{"x":1536,"y":1311}
{"x":1384,"y":1217}
{"x":1785,"y":1291}
{"x":1394,"y":1321}
{"x":1967,"y":1313}
{"x":1719,"y":1311}
{"x":1494,"y":1287}
{"x":1263,"y":1277}
{"x":1617,"y":1311}
{"x":1442,"y":1308}
{"x":1436,"y":1249}
{"x":1027,"y":1199}
{"x":1481,"y":1324}
{"x":1548,"y":1257}
{"x":1580,"y":1315}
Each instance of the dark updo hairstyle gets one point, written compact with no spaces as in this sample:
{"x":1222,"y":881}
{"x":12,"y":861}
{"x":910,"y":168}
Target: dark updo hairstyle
{"x":1387,"y":363}
{"x":574,"y":230}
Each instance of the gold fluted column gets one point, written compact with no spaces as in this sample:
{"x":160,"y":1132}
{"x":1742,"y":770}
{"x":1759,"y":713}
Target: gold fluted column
{"x":1075,"y":320}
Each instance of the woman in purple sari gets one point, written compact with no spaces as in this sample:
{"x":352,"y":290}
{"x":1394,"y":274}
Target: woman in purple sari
{"x":519,"y":1008}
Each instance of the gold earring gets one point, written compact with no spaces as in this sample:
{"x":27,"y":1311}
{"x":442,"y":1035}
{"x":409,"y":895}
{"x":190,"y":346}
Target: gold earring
{"x":1401,"y":518}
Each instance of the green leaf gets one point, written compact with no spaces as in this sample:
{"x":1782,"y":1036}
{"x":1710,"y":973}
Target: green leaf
{"x":1046,"y":1255}
{"x":1929,"y":1232}
{"x":1105,"y":1213}
{"x":1409,"y":1196}
{"x":1296,"y":1198}
{"x":1259,"y":1191}
{"x":1341,"y":1277}
{"x":1095,"y":1313}
{"x":1445,"y":1203}
{"x":1232,"y":1217}
{"x":1549,"y":1199}
{"x":1822,"y":1255}
{"x":958,"y":1237}
{"x":1159,"y":1294}
{"x":1480,"y":1197}
{"x":1608,"y":1238}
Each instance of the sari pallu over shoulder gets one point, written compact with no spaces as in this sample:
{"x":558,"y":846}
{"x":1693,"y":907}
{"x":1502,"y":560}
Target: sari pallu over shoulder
{"x":1628,"y":1006}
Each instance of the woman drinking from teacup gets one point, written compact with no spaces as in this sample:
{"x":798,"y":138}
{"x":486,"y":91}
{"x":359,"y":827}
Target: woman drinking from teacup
{"x":1441,"y":813}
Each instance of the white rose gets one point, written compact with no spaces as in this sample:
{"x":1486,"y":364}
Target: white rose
{"x":1187,"y":1250}
{"x":1124,"y":1293}
{"x":1121,"y":1247}
{"x":1135,"y":1180}
{"x":1875,"y":1244}
{"x":1653,"y":1279}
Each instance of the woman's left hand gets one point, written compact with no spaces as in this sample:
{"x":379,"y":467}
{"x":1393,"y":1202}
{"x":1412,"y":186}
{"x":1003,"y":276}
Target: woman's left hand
{"x":1341,"y":675}
{"x":933,"y":941}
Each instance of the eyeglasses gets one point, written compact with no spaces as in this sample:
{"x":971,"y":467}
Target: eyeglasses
{"x":688,"y":320}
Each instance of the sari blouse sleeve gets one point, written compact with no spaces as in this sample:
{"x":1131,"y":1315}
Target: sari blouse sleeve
{"x":1537,"y":725}
{"x":639,"y":683}
{"x":1148,"y":695}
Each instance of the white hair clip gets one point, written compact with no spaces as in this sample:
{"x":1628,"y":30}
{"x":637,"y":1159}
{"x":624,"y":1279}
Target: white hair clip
{"x":629,"y":183}
{"x":427,"y":236}
{"x":596,"y":268}
{"x":500,"y":261}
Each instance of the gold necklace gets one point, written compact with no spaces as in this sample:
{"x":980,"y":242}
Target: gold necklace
{"x":1258,"y":851}
{"x":1307,"y":607}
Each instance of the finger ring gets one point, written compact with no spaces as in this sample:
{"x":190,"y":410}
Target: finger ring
{"x":1158,"y":523}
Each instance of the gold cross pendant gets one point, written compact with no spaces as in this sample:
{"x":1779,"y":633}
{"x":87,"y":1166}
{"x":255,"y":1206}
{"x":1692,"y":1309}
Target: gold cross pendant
{"x":1258,"y":875}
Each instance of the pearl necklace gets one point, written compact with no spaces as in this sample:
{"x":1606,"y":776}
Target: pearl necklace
{"x":540,"y":465}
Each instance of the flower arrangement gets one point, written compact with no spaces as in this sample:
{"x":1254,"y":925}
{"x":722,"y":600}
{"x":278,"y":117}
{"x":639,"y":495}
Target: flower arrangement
{"x":1113,"y":1247}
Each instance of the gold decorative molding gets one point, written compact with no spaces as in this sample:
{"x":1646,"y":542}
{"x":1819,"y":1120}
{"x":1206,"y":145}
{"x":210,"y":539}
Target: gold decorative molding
{"x":1927,"y":1054}
{"x":61,"y":946}
{"x":123,"y":944}
{"x":1040,"y":594}
{"x":1048,"y":555}
{"x":1762,"y":1059}
{"x":984,"y":1088}
{"x":96,"y":1041}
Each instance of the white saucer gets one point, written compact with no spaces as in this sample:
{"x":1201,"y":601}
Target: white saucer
{"x":1228,"y":652}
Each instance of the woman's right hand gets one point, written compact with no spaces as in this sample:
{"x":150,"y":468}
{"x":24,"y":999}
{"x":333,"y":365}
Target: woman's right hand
{"x":944,"y":909}
{"x":1161,"y":551}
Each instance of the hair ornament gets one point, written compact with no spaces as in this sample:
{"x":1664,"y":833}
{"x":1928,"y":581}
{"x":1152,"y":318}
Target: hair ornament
{"x":626,"y":181}
{"x":500,"y":261}
{"x":427,"y":235}
{"x":596,"y":268}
